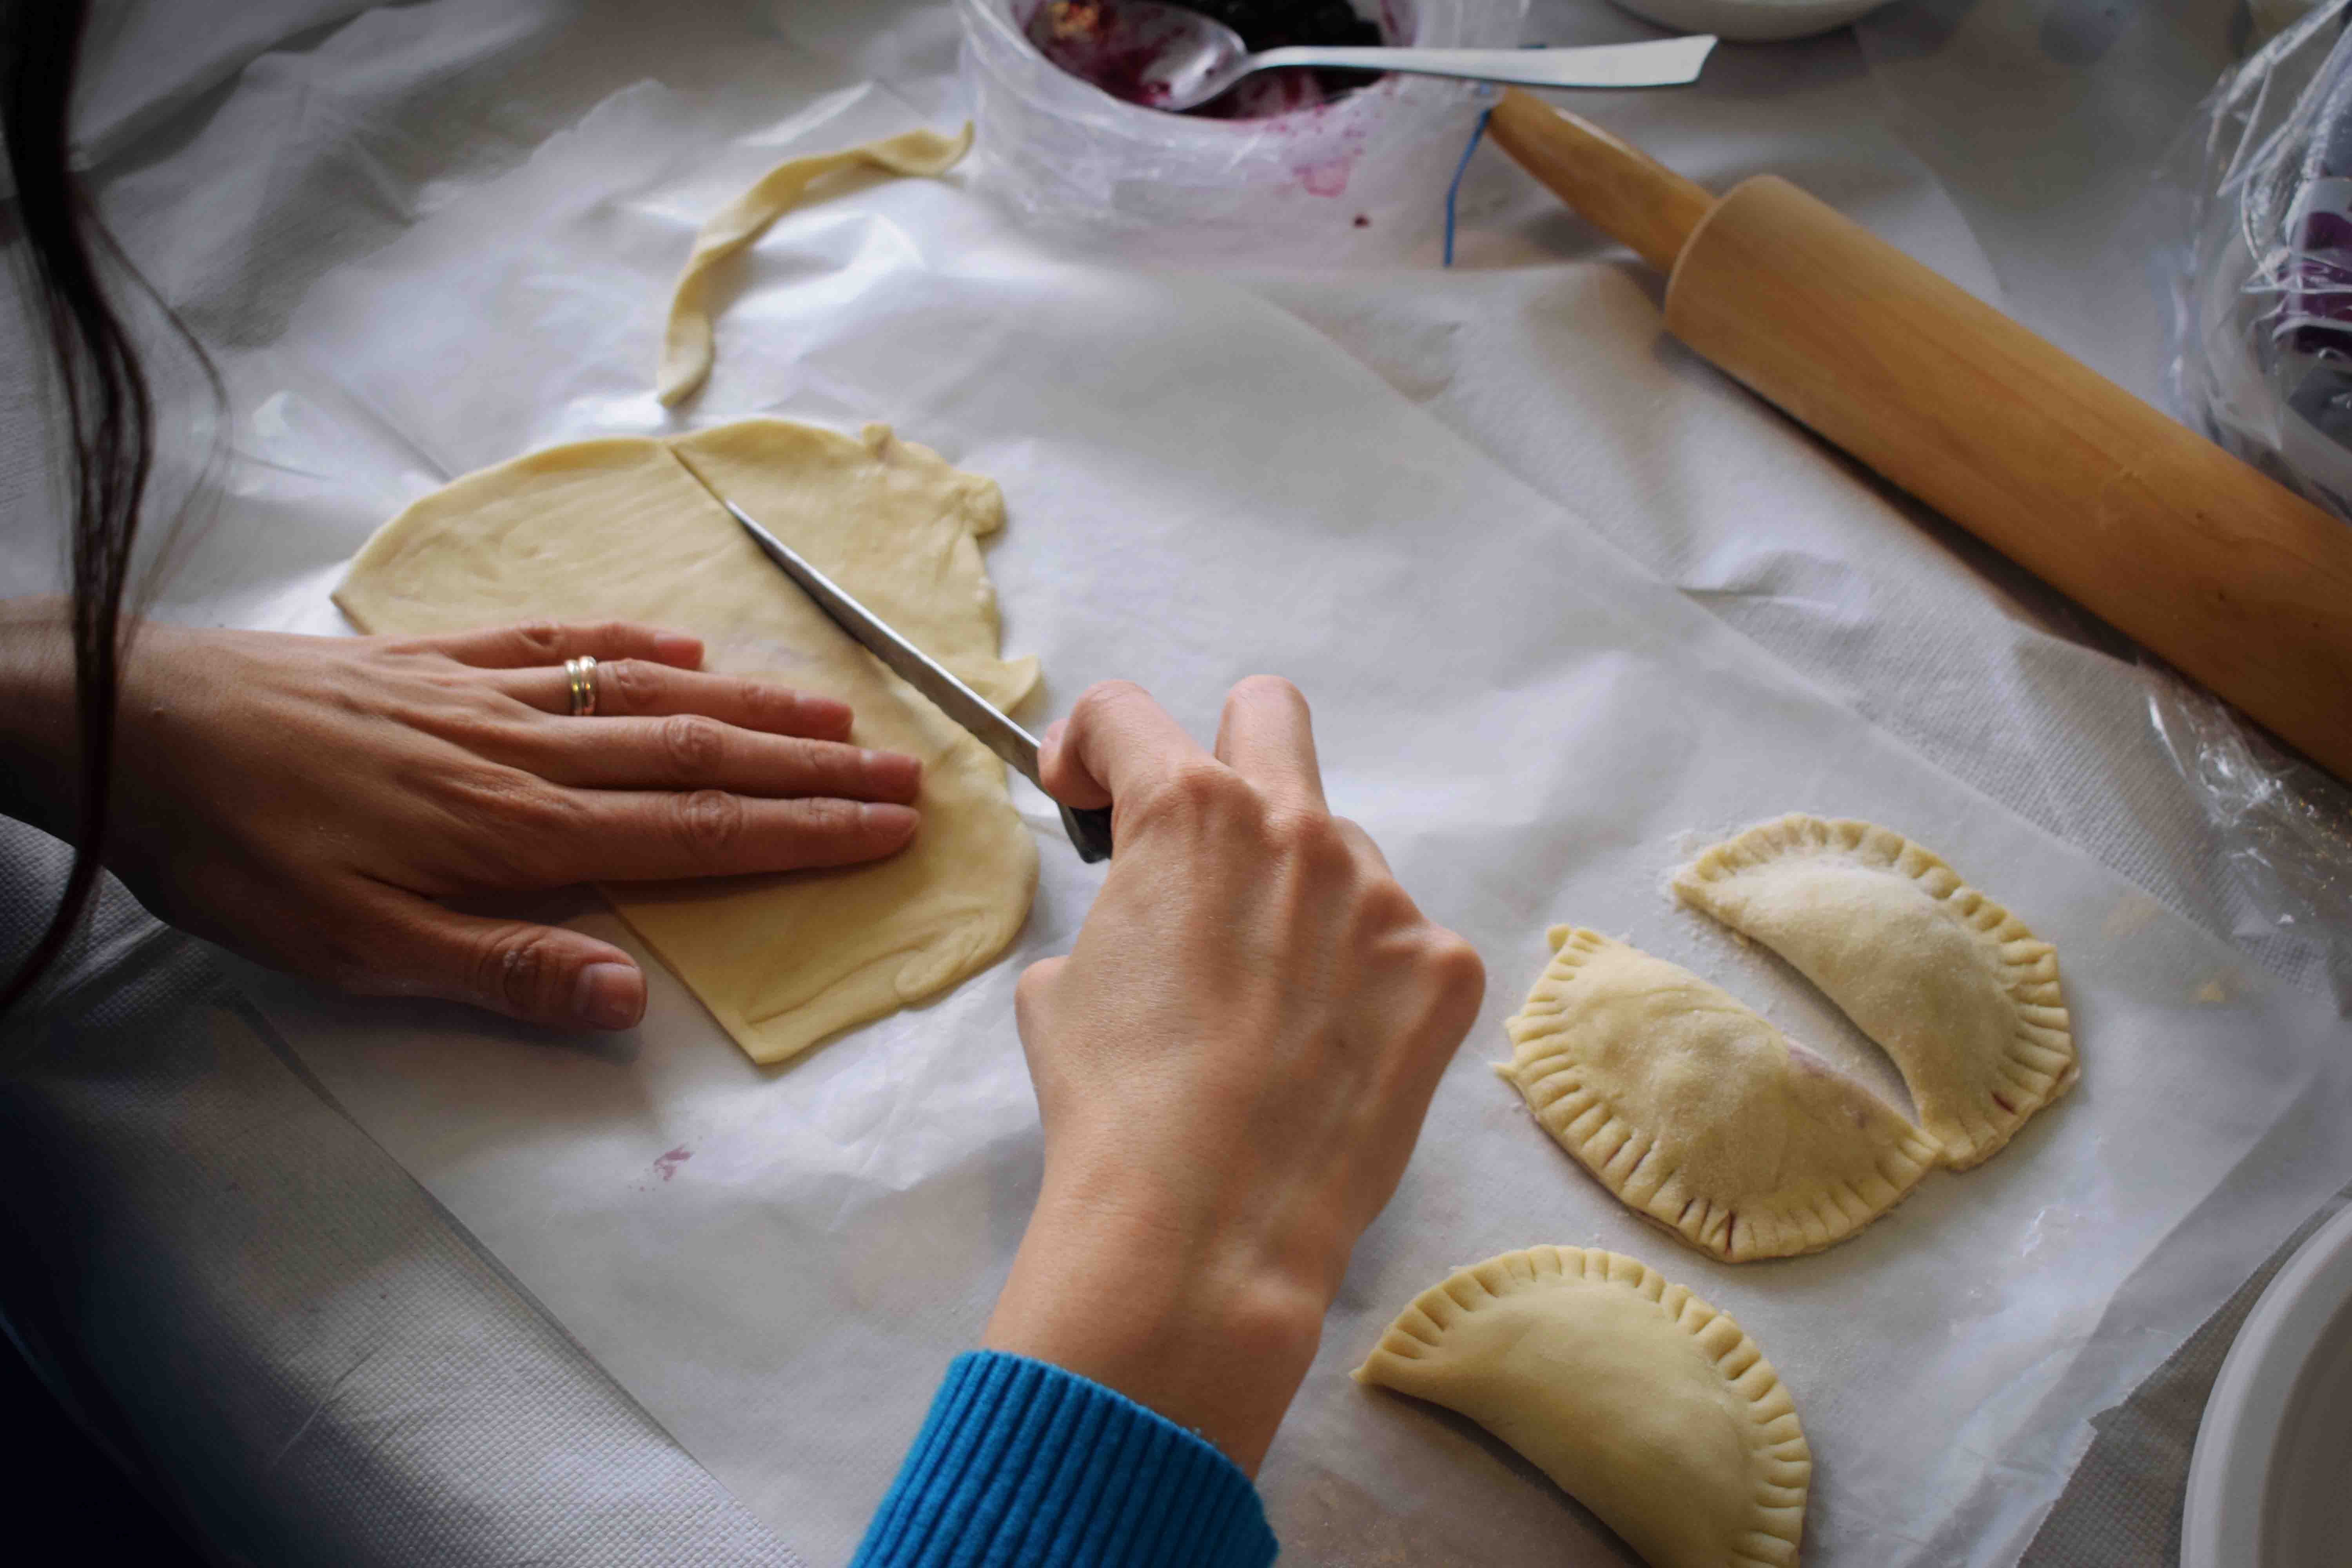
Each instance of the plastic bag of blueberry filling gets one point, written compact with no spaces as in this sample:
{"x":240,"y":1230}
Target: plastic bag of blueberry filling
{"x":1361,"y":177}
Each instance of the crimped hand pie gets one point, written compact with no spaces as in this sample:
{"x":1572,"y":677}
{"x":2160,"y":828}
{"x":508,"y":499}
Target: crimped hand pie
{"x":1642,"y":1402}
{"x":1698,"y":1113}
{"x":1951,"y":984}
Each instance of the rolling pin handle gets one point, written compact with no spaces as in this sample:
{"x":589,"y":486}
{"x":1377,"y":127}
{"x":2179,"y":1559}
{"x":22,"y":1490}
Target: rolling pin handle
{"x":1612,"y":184}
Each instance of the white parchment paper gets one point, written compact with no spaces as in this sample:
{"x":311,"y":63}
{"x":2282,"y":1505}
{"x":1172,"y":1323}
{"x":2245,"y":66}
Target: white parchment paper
{"x":779,"y":1262}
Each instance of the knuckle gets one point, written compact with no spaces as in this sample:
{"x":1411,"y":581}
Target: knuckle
{"x":1108,"y":693}
{"x":520,"y":969}
{"x":1198,"y":790}
{"x":694,"y":745}
{"x":1454,"y":964}
{"x":769,"y":705}
{"x":1389,"y":907}
{"x":625,"y":686}
{"x":543,"y":637}
{"x":809,"y":762}
{"x":1101,"y":698}
{"x":1029,"y":992}
{"x":1367,"y":852}
{"x":1309,"y":837}
{"x":827,"y":817}
{"x":708,"y":821}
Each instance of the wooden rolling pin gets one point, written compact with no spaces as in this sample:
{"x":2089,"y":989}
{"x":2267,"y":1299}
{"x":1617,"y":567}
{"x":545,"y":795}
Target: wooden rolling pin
{"x":2227,"y":574}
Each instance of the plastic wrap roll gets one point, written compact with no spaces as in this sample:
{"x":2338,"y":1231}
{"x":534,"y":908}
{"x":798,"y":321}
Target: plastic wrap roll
{"x":2262,"y":186}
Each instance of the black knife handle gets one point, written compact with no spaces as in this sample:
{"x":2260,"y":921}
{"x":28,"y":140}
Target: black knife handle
{"x":1090,"y":830}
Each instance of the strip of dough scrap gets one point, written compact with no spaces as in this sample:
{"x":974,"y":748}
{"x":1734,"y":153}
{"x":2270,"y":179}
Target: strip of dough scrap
{"x":1696,"y":1112}
{"x":1951,"y":984}
{"x":1643,"y":1403}
{"x":686,"y":343}
{"x":622,"y":530}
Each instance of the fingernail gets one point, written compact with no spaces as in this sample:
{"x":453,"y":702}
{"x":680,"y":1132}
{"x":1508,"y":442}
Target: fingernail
{"x":891,"y":774}
{"x":676,"y":648}
{"x":891,"y":822}
{"x":1053,"y":736}
{"x":609,"y":995}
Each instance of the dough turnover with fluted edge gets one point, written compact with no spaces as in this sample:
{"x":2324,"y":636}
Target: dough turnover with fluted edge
{"x":1700,"y":1116}
{"x":1951,"y":984}
{"x":622,"y":529}
{"x":1643,"y":1403}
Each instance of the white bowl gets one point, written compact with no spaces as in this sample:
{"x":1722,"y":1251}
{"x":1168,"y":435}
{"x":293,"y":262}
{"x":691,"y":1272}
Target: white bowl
{"x":1753,"y":21}
{"x":2270,"y":1485}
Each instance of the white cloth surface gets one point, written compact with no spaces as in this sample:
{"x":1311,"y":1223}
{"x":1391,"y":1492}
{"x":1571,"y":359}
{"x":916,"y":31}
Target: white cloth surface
{"x":266,"y":1316}
{"x":350,"y":180}
{"x":146,"y":63}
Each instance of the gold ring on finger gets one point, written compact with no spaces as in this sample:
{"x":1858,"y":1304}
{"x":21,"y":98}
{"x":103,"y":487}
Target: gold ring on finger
{"x":580,"y":673}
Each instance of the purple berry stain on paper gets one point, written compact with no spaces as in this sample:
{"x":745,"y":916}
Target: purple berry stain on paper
{"x":1329,"y":177}
{"x":666,"y":1166}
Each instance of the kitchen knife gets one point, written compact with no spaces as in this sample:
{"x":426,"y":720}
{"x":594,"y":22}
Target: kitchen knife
{"x":1089,"y":829}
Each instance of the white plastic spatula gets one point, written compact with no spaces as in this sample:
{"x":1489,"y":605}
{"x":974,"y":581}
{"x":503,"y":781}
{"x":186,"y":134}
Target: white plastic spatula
{"x":1165,"y":56}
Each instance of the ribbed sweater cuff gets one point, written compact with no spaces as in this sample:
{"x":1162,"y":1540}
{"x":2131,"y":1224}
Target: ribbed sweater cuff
{"x":1023,"y":1462}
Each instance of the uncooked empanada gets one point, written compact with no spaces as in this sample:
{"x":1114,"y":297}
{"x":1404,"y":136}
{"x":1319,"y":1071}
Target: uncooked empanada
{"x":1949,"y":984}
{"x":1646,"y":1404}
{"x":1697,"y":1113}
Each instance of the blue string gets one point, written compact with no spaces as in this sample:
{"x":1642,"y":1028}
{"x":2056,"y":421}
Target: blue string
{"x":1476,"y":132}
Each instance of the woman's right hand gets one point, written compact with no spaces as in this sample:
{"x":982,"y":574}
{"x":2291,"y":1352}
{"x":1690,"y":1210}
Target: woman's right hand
{"x":1232,"y":1065}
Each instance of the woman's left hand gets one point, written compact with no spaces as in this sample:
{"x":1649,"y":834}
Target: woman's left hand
{"x":311,"y":801}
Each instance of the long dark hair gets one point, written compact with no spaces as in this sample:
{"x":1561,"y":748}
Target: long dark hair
{"x":73,"y":271}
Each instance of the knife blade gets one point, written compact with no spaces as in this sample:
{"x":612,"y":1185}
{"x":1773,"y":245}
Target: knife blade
{"x":1089,"y":829}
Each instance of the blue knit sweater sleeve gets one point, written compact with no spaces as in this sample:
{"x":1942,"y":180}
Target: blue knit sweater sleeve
{"x":1023,"y":1462}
